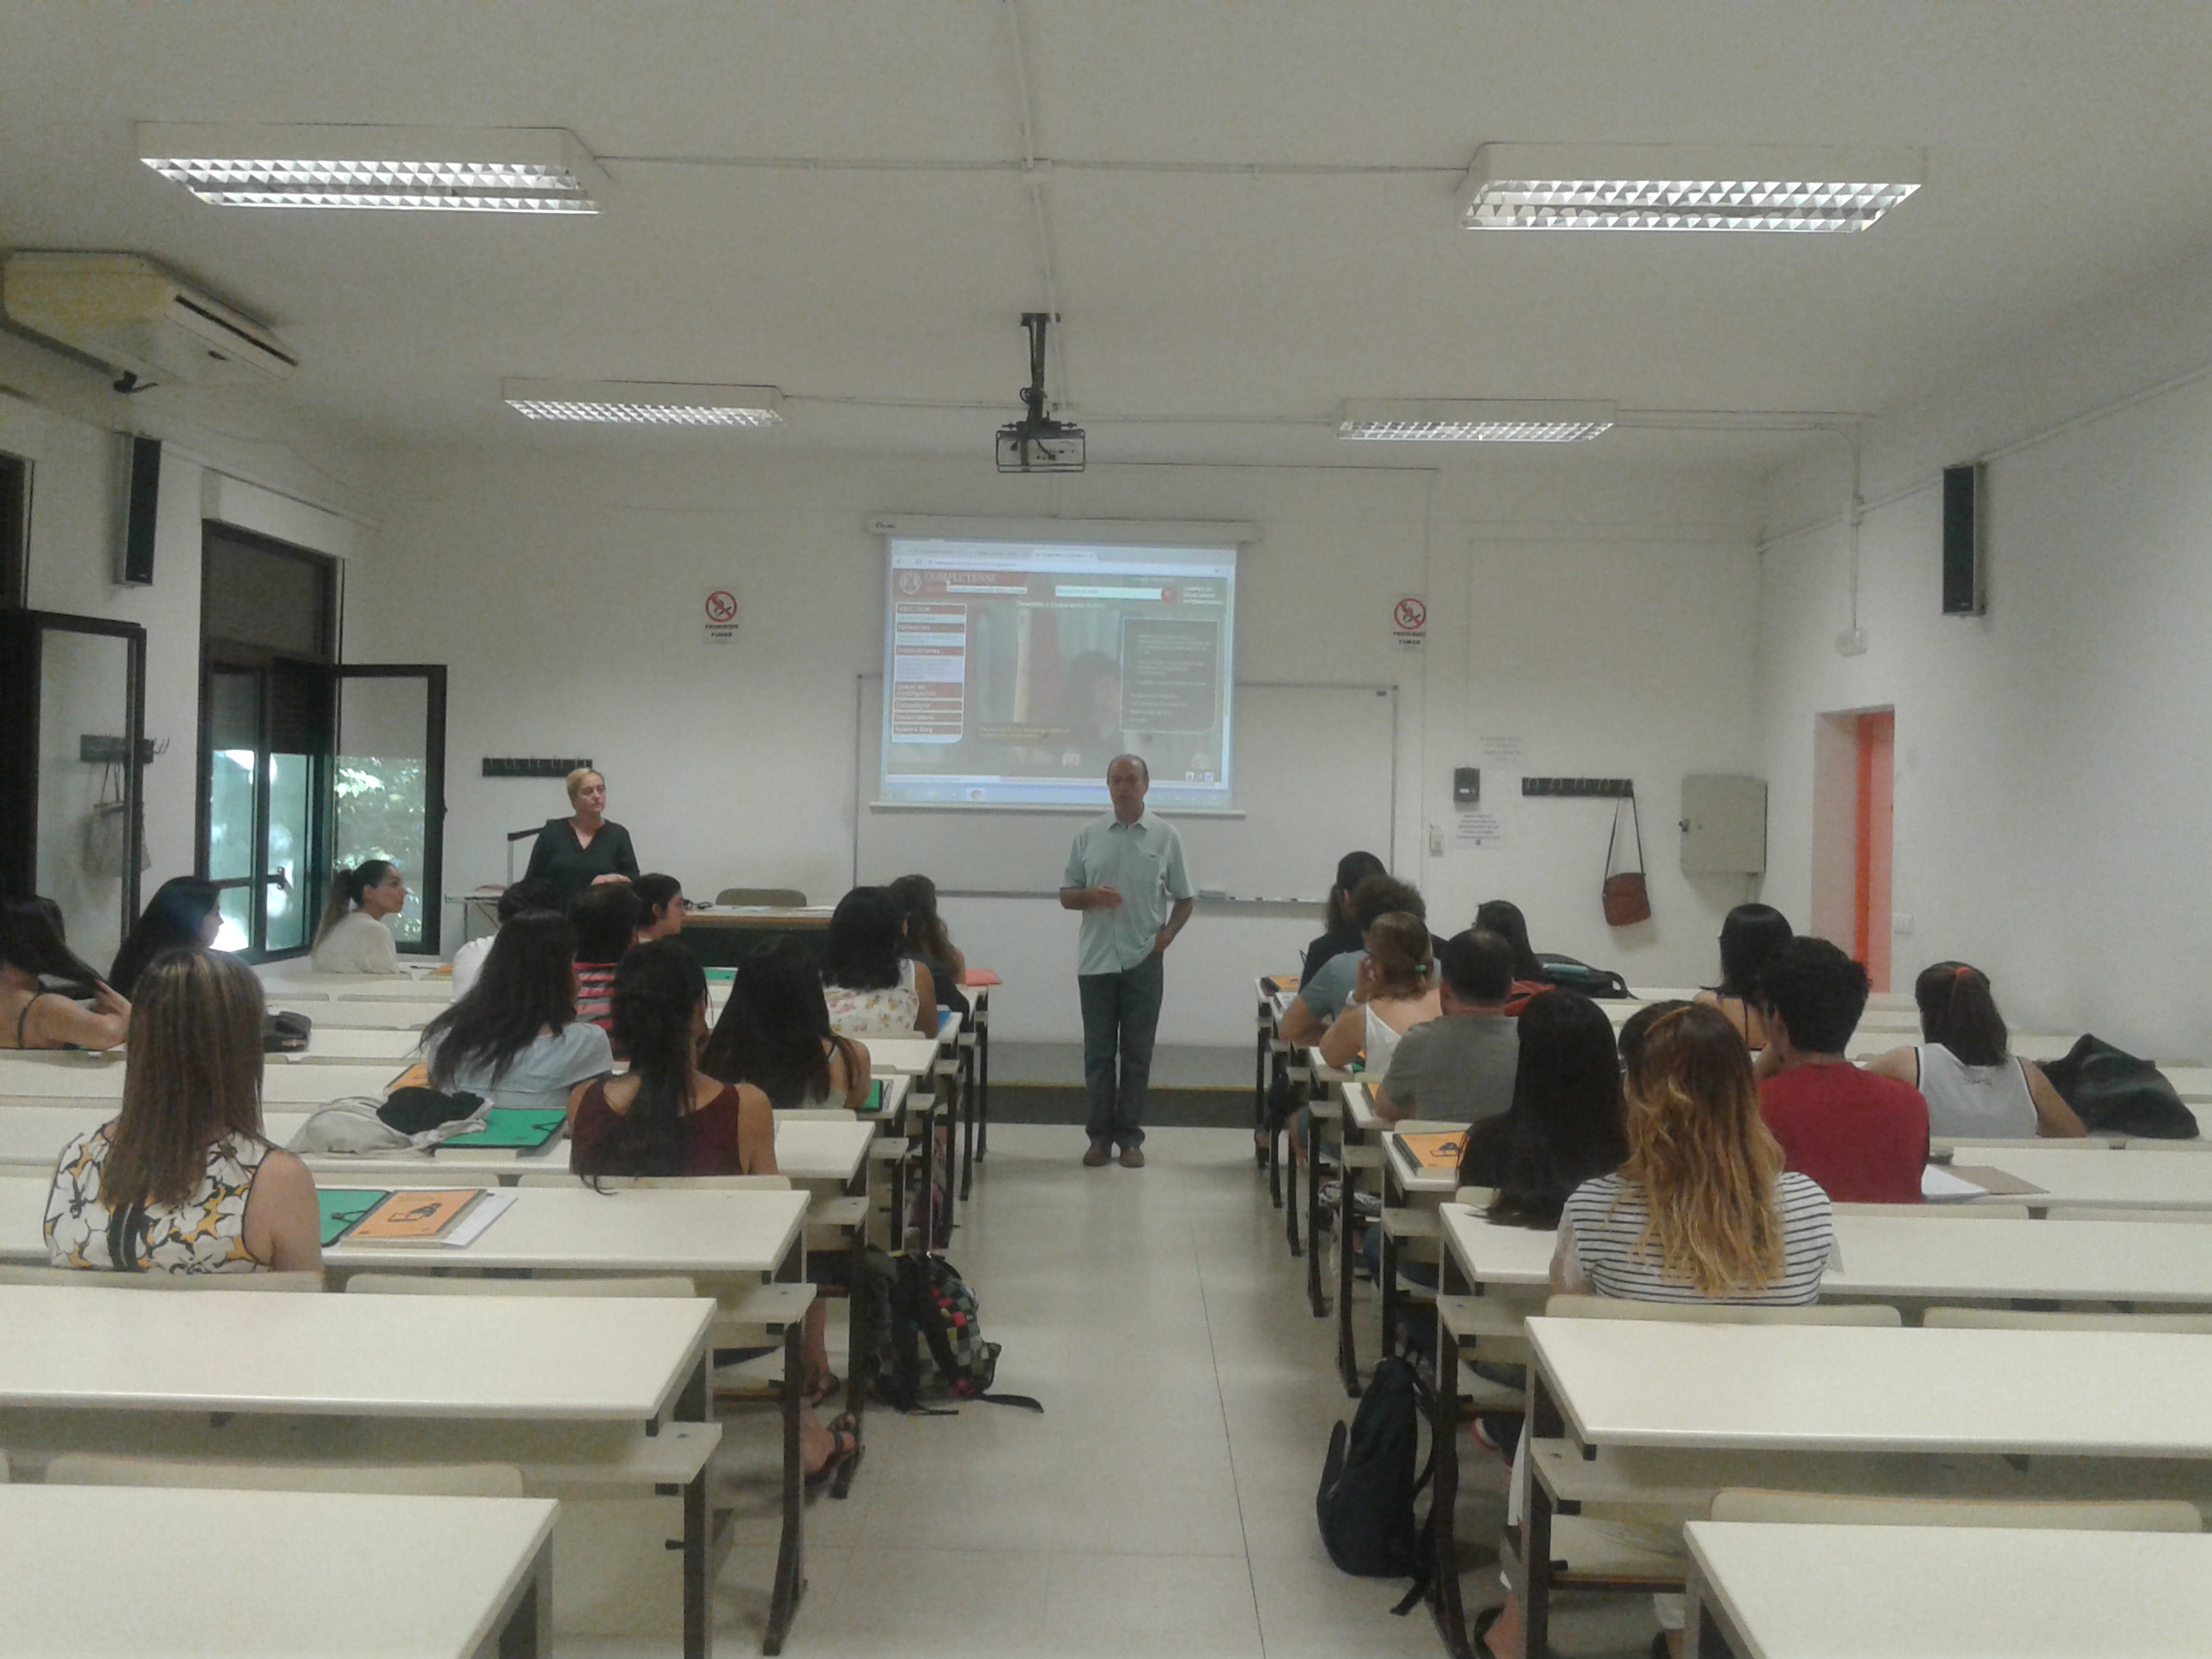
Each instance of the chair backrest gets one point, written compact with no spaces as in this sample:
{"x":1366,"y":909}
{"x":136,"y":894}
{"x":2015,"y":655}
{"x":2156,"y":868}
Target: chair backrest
{"x":1721,"y":1313}
{"x":87,"y":1279}
{"x":781,"y":898}
{"x":1826,"y":1508}
{"x":1948,"y":1211}
{"x":2015,"y":1319}
{"x":424,"y":1285}
{"x":738,"y":1183}
{"x":402,"y":1479}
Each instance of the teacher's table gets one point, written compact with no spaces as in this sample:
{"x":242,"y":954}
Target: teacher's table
{"x":724,"y":935}
{"x":346,"y":1576}
{"x":1646,"y":1413}
{"x":1834,"y":1592}
{"x":579,"y":1392}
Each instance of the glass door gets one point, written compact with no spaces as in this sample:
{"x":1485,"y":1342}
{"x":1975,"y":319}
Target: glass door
{"x":267,"y":734}
{"x":388,"y":785}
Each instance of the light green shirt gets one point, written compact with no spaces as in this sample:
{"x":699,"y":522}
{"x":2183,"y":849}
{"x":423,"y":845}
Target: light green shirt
{"x":1143,"y":861}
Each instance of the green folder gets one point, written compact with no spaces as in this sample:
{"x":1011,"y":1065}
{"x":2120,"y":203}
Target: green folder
{"x":344,"y":1206}
{"x":874,"y":1102}
{"x":721,"y":976}
{"x":510,"y":1127}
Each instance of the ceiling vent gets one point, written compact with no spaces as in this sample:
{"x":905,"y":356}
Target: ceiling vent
{"x":142,"y":318}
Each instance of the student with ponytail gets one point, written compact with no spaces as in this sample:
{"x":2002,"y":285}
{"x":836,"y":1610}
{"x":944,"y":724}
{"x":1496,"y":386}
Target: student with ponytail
{"x":1974,"y":1084}
{"x":353,"y":939}
{"x":667,"y":1117}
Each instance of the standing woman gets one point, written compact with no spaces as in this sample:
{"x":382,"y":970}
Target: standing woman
{"x":33,"y":1017}
{"x":353,"y":939}
{"x":1749,"y":935}
{"x":584,"y":848}
{"x":183,"y":913}
{"x":183,"y":1180}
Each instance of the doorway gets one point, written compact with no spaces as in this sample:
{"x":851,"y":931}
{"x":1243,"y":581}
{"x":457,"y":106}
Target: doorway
{"x":1854,"y":780}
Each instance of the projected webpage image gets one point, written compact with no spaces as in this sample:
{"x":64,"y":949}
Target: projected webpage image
{"x":1015,"y":672}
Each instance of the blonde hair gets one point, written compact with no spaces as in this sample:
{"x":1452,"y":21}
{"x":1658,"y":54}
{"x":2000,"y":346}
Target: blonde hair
{"x":1704,"y":1159}
{"x":1399,"y":942}
{"x":193,"y":1076}
{"x":576,"y":780}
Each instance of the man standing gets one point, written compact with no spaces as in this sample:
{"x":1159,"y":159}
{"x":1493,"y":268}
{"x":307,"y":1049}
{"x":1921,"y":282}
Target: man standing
{"x":1122,"y":870}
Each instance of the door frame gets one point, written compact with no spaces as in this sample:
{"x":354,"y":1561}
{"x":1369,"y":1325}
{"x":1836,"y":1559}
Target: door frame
{"x":430,"y":880}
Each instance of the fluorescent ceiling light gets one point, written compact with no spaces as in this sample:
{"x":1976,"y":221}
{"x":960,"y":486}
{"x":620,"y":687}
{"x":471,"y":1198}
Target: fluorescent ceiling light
{"x":1466,"y":420}
{"x":408,"y":169}
{"x":643,"y":403}
{"x":1671,"y":187}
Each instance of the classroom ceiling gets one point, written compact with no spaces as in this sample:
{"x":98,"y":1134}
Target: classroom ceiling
{"x":1251,"y":207}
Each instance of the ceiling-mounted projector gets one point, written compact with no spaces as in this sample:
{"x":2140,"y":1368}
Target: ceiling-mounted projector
{"x":1036,"y":442}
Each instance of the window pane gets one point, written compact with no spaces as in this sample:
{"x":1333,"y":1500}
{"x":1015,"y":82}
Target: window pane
{"x":84,"y":823}
{"x":290,"y":904}
{"x":380,"y":783}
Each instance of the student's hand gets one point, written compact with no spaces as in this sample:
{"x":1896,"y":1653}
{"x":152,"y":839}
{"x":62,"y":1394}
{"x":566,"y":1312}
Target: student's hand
{"x":601,"y":881}
{"x":1363,"y":980}
{"x":105,"y":999}
{"x":1105,"y":898}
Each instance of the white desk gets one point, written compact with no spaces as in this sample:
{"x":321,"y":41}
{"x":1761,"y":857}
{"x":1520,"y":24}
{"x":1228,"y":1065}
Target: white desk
{"x":276,"y":984}
{"x":2135,"y":1177}
{"x":902,"y":1056}
{"x":1839,"y":1592}
{"x":826,"y":1151}
{"x":281,"y":1085}
{"x":373,"y":1014}
{"x":340,"y":1575}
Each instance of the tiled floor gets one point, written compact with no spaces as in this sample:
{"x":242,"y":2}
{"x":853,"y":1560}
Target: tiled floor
{"x":1164,"y":1503}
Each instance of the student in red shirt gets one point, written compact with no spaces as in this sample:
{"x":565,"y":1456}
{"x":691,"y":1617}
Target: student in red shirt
{"x":1864,"y":1138}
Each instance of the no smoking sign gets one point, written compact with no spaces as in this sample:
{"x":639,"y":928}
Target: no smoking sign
{"x":721,"y":617}
{"x":1409,"y":620}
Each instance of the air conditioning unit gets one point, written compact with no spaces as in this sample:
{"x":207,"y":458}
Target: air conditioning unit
{"x":136,"y":315}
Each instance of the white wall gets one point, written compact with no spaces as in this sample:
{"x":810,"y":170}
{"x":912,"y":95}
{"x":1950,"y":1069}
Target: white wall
{"x":1601,"y":613}
{"x":2054,"y":779}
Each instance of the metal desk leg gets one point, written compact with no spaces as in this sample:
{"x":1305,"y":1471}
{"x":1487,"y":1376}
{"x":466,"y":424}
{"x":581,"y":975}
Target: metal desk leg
{"x":791,"y":1555}
{"x":1445,"y":1603}
{"x":858,"y":1368}
{"x":1388,"y":1343}
{"x":967,"y":1120}
{"x":1347,"y":1349}
{"x":1314,"y":1300}
{"x":691,"y":1406}
{"x":983,"y":1076}
{"x":525,"y":1627}
{"x":1260,"y":1084}
{"x":1543,"y":1422}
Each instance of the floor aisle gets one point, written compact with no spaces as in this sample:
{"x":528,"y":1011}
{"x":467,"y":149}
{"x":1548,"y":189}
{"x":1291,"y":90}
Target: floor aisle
{"x":1164,"y":1503}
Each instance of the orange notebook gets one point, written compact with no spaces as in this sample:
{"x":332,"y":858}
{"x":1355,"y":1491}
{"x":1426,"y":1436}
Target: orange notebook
{"x":1435,"y":1150}
{"x":416,"y":1076}
{"x":983,"y":976}
{"x":422,"y":1215}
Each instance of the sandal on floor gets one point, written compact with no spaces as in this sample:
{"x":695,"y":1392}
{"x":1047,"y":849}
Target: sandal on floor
{"x":1477,"y":1633}
{"x":845,"y":1446}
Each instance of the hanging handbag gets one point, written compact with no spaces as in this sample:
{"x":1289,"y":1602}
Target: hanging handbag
{"x":1627,"y":899}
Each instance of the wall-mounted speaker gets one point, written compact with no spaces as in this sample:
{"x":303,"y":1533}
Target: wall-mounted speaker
{"x":1965,"y":539}
{"x":142,"y":491}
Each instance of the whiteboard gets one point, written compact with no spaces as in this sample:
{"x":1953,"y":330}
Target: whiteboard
{"x":1317,"y":778}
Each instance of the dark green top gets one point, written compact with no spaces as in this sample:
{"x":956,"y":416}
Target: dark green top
{"x":570,"y":868}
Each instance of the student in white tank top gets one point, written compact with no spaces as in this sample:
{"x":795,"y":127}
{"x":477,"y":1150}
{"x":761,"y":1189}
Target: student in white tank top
{"x":1975,"y":1086}
{"x":1395,"y":991}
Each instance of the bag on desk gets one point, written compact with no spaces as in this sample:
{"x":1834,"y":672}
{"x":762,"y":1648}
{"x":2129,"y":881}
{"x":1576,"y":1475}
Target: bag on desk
{"x":283,"y":1032}
{"x":2114,"y":1093}
{"x":929,"y":1340}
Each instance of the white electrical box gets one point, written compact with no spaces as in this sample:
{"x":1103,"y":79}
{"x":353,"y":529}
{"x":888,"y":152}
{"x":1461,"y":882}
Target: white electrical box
{"x":1723,"y":826}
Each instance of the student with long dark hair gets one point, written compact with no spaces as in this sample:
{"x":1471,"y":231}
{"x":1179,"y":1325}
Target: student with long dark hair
{"x":1341,"y":929}
{"x":774,"y":1034}
{"x":666,"y":1117}
{"x":183,"y":1180}
{"x":1973,"y":1082}
{"x":1503,"y":917}
{"x":1566,"y":1124}
{"x":353,"y":939}
{"x":531,"y":893}
{"x":515,"y":1038}
{"x":183,"y":914}
{"x":872,"y":990}
{"x":928,"y":941}
{"x":606,"y":914}
{"x":662,"y":900}
{"x":1322,"y":995}
{"x":33,"y":1017}
{"x":1750,"y":935}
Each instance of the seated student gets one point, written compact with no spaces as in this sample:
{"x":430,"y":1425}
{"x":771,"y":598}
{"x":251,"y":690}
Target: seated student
{"x":31,"y":1015}
{"x":1322,"y":997}
{"x":927,"y":942}
{"x":1394,"y":991}
{"x":515,"y":1038}
{"x":1701,"y":1210}
{"x":871,"y":990}
{"x":666,"y":1117}
{"x":183,"y":914}
{"x":662,"y":898}
{"x":1564,"y":1126}
{"x":531,"y":893}
{"x":1864,"y":1138}
{"x":1973,"y":1083}
{"x":1457,"y":1068}
{"x":182,"y":1180}
{"x":353,"y":939}
{"x":1750,"y":933}
{"x":1634,"y":1028}
{"x":1503,"y":917}
{"x":1341,"y":933}
{"x":606,"y":914}
{"x":774,"y":1034}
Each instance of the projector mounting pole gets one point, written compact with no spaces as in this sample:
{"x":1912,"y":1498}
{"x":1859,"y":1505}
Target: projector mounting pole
{"x":1033,"y":396}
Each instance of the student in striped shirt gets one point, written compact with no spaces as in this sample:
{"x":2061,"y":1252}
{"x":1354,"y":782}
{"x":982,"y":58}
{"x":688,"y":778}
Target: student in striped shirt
{"x":1703,"y":1211}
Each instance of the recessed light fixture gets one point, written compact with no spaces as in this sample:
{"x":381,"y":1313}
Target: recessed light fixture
{"x":1468,"y":421}
{"x":408,"y":169}
{"x":643,"y":403}
{"x":1670,"y":187}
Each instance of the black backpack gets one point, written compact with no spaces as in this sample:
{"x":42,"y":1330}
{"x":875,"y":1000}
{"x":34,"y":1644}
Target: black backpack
{"x":918,"y":1317}
{"x":1570,"y":975}
{"x":1365,"y":1504}
{"x":2114,"y":1093}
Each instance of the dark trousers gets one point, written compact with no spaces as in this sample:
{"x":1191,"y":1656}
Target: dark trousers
{"x":1121,"y":1012}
